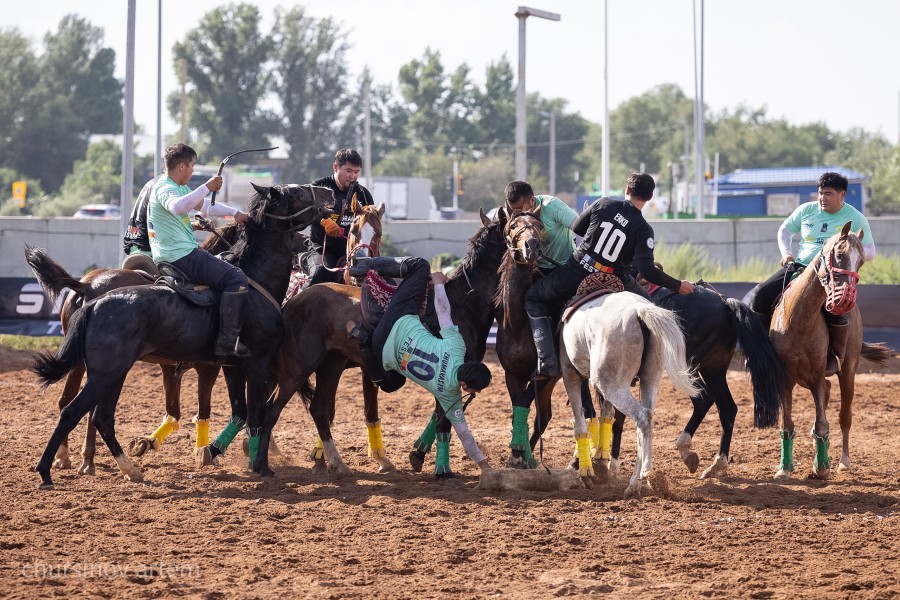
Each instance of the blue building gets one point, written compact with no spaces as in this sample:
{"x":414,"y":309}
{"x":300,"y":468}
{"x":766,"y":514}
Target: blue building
{"x":777,"y":192}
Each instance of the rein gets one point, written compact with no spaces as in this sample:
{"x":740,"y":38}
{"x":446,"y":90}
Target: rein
{"x":511,"y":240}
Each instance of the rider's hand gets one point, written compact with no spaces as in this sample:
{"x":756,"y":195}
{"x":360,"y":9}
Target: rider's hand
{"x":214,"y":183}
{"x":686,"y":287}
{"x":439,"y":278}
{"x":240,"y":217}
{"x":484,"y":465}
{"x":332,"y":229}
{"x":788,"y":258}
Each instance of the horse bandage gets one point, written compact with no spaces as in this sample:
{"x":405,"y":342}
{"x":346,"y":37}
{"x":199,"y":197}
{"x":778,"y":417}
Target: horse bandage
{"x":603,"y":446}
{"x":202,"y":432}
{"x":376,"y":443}
{"x":585,"y":469}
{"x":168,"y":425}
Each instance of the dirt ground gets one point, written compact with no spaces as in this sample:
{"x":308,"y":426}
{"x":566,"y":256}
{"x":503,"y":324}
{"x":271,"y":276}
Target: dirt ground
{"x":221,"y":532}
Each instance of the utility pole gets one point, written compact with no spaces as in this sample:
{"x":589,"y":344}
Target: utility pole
{"x":182,"y":77}
{"x":455,"y":187}
{"x":157,"y":156}
{"x":700,"y":152}
{"x":367,"y":135}
{"x":128,"y":124}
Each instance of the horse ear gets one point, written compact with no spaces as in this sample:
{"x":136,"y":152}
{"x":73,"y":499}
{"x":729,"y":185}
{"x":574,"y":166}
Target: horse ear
{"x":484,"y":220}
{"x":845,"y":229}
{"x":262,"y":191}
{"x":381,"y":210}
{"x":355,"y":206}
{"x":860,"y":233}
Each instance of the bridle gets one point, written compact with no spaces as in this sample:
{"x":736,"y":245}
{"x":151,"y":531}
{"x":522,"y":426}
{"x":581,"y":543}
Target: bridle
{"x":374,"y":250}
{"x":839,"y":299}
{"x":512,"y":236}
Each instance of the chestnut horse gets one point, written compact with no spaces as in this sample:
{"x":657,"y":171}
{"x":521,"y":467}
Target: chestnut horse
{"x":800,"y":336}
{"x":316,"y":341}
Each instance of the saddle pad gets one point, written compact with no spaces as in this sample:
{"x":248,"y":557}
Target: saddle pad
{"x":593,"y":286}
{"x":374,"y":297}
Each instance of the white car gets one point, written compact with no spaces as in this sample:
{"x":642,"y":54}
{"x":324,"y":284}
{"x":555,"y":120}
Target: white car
{"x":98,"y":211}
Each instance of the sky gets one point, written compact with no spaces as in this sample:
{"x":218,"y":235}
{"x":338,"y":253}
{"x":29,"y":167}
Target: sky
{"x":806,"y":61}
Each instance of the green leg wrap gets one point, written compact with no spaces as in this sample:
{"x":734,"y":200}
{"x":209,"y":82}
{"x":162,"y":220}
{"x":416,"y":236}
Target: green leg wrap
{"x":787,"y":451}
{"x":253,"y":444}
{"x":519,"y":439}
{"x":426,"y":440}
{"x":822,"y":461}
{"x":442,"y":456}
{"x":224,"y":439}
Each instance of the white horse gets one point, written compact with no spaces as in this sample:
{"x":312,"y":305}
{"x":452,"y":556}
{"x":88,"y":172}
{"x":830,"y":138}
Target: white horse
{"x":609,"y":341}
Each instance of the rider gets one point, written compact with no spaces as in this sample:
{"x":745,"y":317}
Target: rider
{"x":402,"y":344}
{"x":343,"y":183}
{"x":172,"y":240}
{"x":815,"y":221}
{"x":136,"y":240}
{"x":615,"y":234}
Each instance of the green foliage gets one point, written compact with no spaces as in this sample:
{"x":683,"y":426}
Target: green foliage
{"x":95,"y":180}
{"x":33,"y":200}
{"x":687,"y":261}
{"x":26,"y":342}
{"x":882,"y":270}
{"x":389,"y":249}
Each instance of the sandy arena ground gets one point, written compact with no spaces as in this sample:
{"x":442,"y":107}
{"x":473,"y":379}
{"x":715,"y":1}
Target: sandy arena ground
{"x":223,"y":533}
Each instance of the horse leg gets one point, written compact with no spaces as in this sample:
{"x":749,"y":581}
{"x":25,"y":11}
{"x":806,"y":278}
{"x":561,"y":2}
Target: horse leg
{"x":847,"y":380}
{"x":593,"y":425}
{"x":620,"y":397}
{"x":727,"y":414}
{"x":206,"y":379}
{"x":172,"y":386}
{"x":83,"y":403}
{"x":544,"y":411}
{"x":89,"y":449}
{"x":821,"y":467}
{"x":373,"y":426}
{"x":602,"y":454}
{"x":442,"y":468}
{"x":70,"y":390}
{"x":786,"y":465}
{"x":105,"y":420}
{"x":328,"y":376}
{"x":572,"y":380}
{"x":237,"y":395}
{"x":701,"y":403}
{"x":522,"y":394}
{"x":423,"y":444}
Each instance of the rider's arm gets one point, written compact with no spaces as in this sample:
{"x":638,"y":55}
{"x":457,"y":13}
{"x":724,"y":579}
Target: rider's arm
{"x":469,"y":444}
{"x":869,"y":251}
{"x":442,"y":306}
{"x":582,"y":221}
{"x":190,"y":201}
{"x":785,"y":236}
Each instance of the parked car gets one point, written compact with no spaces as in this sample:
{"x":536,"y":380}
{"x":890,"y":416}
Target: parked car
{"x":98,"y":211}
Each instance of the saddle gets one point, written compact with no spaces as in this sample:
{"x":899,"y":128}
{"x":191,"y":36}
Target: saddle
{"x":173,"y":277}
{"x":374,"y":296}
{"x":593,"y":286}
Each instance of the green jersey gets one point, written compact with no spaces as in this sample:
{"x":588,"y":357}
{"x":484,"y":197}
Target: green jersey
{"x":430,"y":361}
{"x":557,"y":243}
{"x":171,"y":236}
{"x":815,"y":226}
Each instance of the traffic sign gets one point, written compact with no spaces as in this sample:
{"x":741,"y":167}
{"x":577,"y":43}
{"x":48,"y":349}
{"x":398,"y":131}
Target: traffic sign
{"x":19,"y":190}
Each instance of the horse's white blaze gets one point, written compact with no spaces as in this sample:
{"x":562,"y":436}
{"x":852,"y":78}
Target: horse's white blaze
{"x":367,"y":234}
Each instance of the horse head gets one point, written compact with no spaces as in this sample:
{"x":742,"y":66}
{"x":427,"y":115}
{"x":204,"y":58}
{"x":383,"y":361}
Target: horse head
{"x":523,"y":232}
{"x":294,"y":206}
{"x":838,"y":269}
{"x":364,"y":235}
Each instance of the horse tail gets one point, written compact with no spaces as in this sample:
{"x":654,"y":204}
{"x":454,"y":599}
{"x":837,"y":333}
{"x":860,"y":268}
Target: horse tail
{"x":766,"y":371}
{"x":665,"y":327}
{"x":877,"y":353}
{"x":307,"y":391}
{"x":50,"y":367}
{"x":50,"y":274}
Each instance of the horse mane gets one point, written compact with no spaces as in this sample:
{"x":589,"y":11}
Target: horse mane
{"x":256,"y":211}
{"x":476,"y":249}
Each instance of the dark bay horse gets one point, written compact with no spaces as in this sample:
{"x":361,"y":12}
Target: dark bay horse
{"x":800,"y":336}
{"x":713,"y":325}
{"x":110,"y":333}
{"x":316,"y":341}
{"x":54,"y":279}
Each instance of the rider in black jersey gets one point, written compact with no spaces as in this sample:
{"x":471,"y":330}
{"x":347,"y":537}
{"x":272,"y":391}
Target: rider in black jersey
{"x":616,"y":236}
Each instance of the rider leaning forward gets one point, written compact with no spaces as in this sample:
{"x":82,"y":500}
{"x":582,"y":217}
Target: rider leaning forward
{"x":815,"y":222}
{"x":615,"y":235}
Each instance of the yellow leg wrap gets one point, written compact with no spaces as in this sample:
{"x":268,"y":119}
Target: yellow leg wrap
{"x":584,"y":455}
{"x":594,"y":435}
{"x":168,"y":425}
{"x":202,"y":432}
{"x":318,"y":450}
{"x":376,"y":444}
{"x":605,"y":435}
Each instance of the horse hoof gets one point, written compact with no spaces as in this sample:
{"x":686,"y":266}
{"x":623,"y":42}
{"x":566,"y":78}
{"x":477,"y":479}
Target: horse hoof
{"x":134,"y":476}
{"x":62,"y":463}
{"x":266,"y":473}
{"x":782,"y":475}
{"x":822,"y":474}
{"x":588,"y":482}
{"x":319,"y":466}
{"x":204,"y":457}
{"x":601,"y":470}
{"x":572,"y":465}
{"x":692,"y":460}
{"x":844,"y":466}
{"x":139,"y":447}
{"x":340,"y":470}
{"x":385,"y":466}
{"x":86,"y":468}
{"x":417,"y":460}
{"x":717,"y":469}
{"x":47,"y":487}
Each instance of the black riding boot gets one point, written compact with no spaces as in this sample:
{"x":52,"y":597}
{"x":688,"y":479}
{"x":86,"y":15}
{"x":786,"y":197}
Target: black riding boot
{"x":837,"y":334}
{"x":548,"y":361}
{"x":231,"y":317}
{"x":386,"y":266}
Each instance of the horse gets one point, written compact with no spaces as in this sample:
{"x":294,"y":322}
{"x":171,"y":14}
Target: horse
{"x":315,"y":339}
{"x":113,"y":331}
{"x":713,"y":325}
{"x":609,"y":341}
{"x":800,"y":337}
{"x":53,"y":278}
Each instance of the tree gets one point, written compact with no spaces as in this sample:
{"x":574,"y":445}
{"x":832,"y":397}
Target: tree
{"x":423,"y":89}
{"x":886,"y":185}
{"x":18,"y":66}
{"x":226,"y":66}
{"x":496,"y":107}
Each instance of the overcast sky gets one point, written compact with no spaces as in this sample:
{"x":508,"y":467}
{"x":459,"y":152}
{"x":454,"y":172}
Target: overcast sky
{"x":805,"y":60}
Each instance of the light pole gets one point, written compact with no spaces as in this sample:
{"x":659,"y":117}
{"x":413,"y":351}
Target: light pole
{"x":552,"y":116}
{"x":521,"y":155}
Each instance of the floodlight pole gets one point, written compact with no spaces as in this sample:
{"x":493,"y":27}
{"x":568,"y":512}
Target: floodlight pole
{"x":521,"y":154}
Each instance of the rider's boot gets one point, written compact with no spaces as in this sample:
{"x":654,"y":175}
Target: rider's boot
{"x":548,"y":361}
{"x":837,"y":334}
{"x":386,"y":266}
{"x":231,"y":317}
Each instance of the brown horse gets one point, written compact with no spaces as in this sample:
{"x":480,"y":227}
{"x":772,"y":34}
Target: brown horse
{"x":316,"y":341}
{"x":800,"y":337}
{"x":54,"y":279}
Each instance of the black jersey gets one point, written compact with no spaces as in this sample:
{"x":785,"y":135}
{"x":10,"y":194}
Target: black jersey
{"x":343,"y":214}
{"x":136,"y":229}
{"x":617,"y":238}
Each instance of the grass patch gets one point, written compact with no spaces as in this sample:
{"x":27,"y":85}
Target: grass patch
{"x":27,"y":342}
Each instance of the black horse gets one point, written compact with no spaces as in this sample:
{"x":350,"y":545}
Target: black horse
{"x":110,"y":333}
{"x":315,"y":340}
{"x":713,"y":325}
